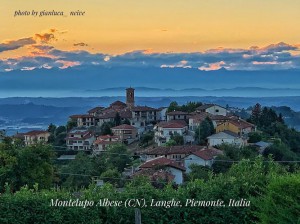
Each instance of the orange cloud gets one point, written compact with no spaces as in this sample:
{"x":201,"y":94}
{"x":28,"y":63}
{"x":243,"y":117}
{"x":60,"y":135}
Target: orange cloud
{"x":213,"y":66}
{"x":67,"y":64}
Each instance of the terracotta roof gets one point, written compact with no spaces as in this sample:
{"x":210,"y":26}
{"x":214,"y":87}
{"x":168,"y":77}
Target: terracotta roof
{"x":172,"y":124}
{"x":207,"y":153}
{"x":241,"y":123}
{"x":95,"y":109}
{"x":85,"y":136}
{"x":143,"y":108}
{"x":77,"y":131}
{"x":201,"y":116}
{"x":107,"y":139}
{"x":205,"y":106}
{"x":124,"y":127}
{"x":118,"y":103}
{"x":104,"y":142}
{"x":81,"y":116}
{"x":112,"y":114}
{"x":177,"y":113}
{"x":224,"y":134}
{"x":161,"y":161}
{"x":219,"y":117}
{"x":36,"y":132}
{"x":178,"y":149}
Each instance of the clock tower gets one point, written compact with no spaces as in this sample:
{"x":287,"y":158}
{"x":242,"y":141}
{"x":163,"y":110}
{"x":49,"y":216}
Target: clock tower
{"x":130,"y":97}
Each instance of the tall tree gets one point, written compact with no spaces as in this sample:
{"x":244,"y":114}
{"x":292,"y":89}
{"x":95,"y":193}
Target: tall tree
{"x":117,"y":119}
{"x":255,"y":115}
{"x":205,"y":129}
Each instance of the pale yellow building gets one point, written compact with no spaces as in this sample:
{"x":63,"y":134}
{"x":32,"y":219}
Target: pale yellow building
{"x":34,"y":137}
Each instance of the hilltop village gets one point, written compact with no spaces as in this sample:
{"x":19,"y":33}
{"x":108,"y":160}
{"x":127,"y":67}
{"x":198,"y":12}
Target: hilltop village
{"x":161,"y":137}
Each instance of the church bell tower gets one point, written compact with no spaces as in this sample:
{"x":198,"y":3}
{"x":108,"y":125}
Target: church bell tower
{"x":130,"y":97}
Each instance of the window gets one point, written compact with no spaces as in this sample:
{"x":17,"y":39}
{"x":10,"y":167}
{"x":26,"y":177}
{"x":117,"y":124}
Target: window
{"x":217,"y":110}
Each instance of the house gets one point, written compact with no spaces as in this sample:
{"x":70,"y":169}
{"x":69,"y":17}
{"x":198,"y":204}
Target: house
{"x":162,"y":113}
{"x":95,"y":111}
{"x":238,"y":126}
{"x":103,"y":141}
{"x":196,"y":119}
{"x":33,"y":137}
{"x":204,"y":157}
{"x":126,"y":133}
{"x":80,"y":139}
{"x":164,"y":130}
{"x":212,"y":109}
{"x":177,"y":115}
{"x":83,"y":120}
{"x":109,"y":115}
{"x":226,"y":137}
{"x":168,"y":165}
{"x":117,"y":105}
{"x":142,"y":116}
{"x":176,"y":153}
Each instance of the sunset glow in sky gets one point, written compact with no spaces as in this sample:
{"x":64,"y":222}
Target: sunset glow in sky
{"x":115,"y":27}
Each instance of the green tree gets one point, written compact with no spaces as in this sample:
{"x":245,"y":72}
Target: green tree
{"x":78,"y":173}
{"x":117,"y":119}
{"x":199,"y":172}
{"x":173,"y":106}
{"x":35,"y":166}
{"x":51,"y":128}
{"x":256,"y":113}
{"x":222,"y":164}
{"x":280,"y":152}
{"x":171,"y":142}
{"x":205,"y":129}
{"x":106,"y":128}
{"x":112,"y":176}
{"x":146,"y":138}
{"x":116,"y":156}
{"x":59,"y":130}
{"x":126,"y":121}
{"x":254,"y":137}
{"x":179,"y":140}
{"x":8,"y":163}
{"x":71,"y":124}
{"x":281,"y":201}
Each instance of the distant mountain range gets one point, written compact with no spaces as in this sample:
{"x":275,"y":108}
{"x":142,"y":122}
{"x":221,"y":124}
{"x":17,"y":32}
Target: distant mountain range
{"x":97,"y":80}
{"x":237,"y":91}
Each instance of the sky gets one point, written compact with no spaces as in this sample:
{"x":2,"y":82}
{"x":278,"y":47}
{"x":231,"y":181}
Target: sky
{"x":202,"y":34}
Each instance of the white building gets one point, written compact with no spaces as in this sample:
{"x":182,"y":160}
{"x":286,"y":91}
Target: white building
{"x":212,"y":109}
{"x":225,"y":137}
{"x":103,"y":141}
{"x":204,"y":157}
{"x":165,"y":130}
{"x":177,"y":115}
{"x":162,"y":113}
{"x":143,"y":116}
{"x":80,"y":139}
{"x":33,"y":137}
{"x":167,"y":165}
